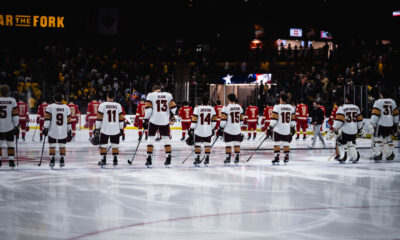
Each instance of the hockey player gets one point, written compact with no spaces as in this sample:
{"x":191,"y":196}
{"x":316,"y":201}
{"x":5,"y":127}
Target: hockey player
{"x":9,"y":121}
{"x":75,"y":115}
{"x":126,"y":122}
{"x":231,"y":118}
{"x":348,"y":123}
{"x":384,"y":122}
{"x":23,"y":116}
{"x":91,"y":115}
{"x":40,"y":117}
{"x":218,"y":110}
{"x":203,"y":122}
{"x":251,"y":119}
{"x":185,"y":113}
{"x":140,"y":112}
{"x":57,"y":125}
{"x":266,"y":118}
{"x":109,"y":125}
{"x":159,"y":106}
{"x":301,"y":119}
{"x":282,"y":127}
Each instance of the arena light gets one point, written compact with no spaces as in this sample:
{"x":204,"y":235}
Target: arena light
{"x":396,"y":13}
{"x":296,"y":32}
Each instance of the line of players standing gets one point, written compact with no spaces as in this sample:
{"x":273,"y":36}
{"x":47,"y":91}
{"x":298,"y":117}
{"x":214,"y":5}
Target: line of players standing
{"x":347,"y":124}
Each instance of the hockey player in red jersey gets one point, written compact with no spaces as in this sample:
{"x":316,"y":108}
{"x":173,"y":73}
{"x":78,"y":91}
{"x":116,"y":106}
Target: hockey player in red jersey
{"x":251,"y":119}
{"x":140,"y":112}
{"x":333,"y":116}
{"x":91,"y":115}
{"x":301,"y":119}
{"x":40,"y":117}
{"x":185,"y":113}
{"x":75,"y":115}
{"x":218,"y":110}
{"x":266,"y":118}
{"x":23,"y":117}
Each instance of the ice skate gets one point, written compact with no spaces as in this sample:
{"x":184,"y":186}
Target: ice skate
{"x":148,"y":161}
{"x":207,"y":161}
{"x":115,"y":161}
{"x":167,"y":162}
{"x":297,"y":138}
{"x":378,"y":158}
{"x":275,"y":161}
{"x":227,"y":160}
{"x":356,"y":160}
{"x":343,"y":160}
{"x":286,"y":159}
{"x":248,"y":138}
{"x":197,"y":161}
{"x":52,"y":162}
{"x":305,"y":137}
{"x":146,"y":138}
{"x":23,"y":138}
{"x":102,"y":162}
{"x":183,"y":138}
{"x":123,"y":137}
{"x":62,"y":162}
{"x":236,"y":161}
{"x":11,"y":163}
{"x":254,"y":137}
{"x":41,"y":137}
{"x":0,"y":162}
{"x":390,"y":157}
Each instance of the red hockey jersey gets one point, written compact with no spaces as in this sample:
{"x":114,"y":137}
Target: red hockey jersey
{"x":267,"y":114}
{"x":92,"y":110}
{"x":41,"y":112}
{"x":251,"y":114}
{"x":301,"y":112}
{"x":140,"y":111}
{"x":23,"y":111}
{"x":74,"y":112}
{"x":185,"y":113}
{"x":323,"y":109}
{"x":333,"y":116}
{"x":218,"y":110}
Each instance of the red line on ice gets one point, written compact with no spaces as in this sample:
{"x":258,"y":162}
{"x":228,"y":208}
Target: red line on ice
{"x":222,"y":214}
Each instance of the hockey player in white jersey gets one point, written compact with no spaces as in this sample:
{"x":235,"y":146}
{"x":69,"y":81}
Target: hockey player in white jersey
{"x":230,"y":128}
{"x":109,"y":126}
{"x":204,"y":120}
{"x":348,"y":123}
{"x":384,"y":123}
{"x":159,"y":106}
{"x":9,"y":121}
{"x":57,"y":126}
{"x":282,"y":126}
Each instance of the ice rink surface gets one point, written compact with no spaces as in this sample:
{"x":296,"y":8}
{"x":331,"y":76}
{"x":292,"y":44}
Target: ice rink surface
{"x":310,"y":198}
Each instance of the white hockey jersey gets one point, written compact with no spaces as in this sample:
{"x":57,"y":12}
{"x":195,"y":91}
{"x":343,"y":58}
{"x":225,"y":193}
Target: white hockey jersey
{"x":158,"y":107}
{"x":232,"y":115}
{"x":110,"y":119}
{"x":349,"y":119}
{"x":58,"y":120}
{"x":9,"y":118}
{"x":385,"y":112}
{"x":203,"y":120}
{"x":283,"y":118}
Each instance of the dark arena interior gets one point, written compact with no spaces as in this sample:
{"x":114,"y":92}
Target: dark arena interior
{"x":200,"y":119}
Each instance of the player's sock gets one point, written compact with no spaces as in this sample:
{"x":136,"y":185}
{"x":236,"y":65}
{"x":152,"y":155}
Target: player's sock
{"x":254,"y":135}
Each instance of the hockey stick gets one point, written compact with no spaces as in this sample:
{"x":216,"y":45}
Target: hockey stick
{"x":16,"y":149}
{"x":34,"y":132}
{"x":134,"y":154}
{"x":257,"y":148}
{"x":41,"y":156}
{"x":187,"y":157}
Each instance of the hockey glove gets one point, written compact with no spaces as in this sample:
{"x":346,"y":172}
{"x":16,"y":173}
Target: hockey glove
{"x":371,"y":129}
{"x":45,"y":131}
{"x":191,"y":132}
{"x":145,"y":124}
{"x":16,"y":131}
{"x":220,"y":132}
{"x":27,"y":128}
{"x":269,"y":131}
{"x":262,"y":129}
{"x":292,"y":131}
{"x":96,"y":132}
{"x":69,"y":136}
